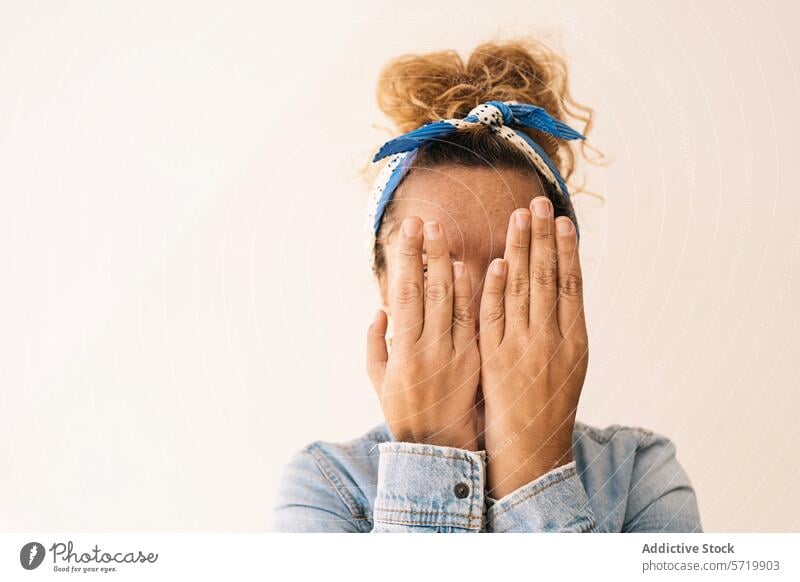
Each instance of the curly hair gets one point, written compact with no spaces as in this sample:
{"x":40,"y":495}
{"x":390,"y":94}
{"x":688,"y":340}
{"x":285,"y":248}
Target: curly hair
{"x":418,"y":88}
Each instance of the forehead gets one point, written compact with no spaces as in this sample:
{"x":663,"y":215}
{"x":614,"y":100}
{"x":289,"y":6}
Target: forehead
{"x":473,"y":204}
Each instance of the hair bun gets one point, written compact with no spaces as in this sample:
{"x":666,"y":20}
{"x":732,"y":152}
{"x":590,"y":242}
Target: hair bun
{"x":416,"y":89}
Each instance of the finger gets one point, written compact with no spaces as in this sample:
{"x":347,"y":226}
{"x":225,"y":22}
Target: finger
{"x":406,"y":290}
{"x":543,"y":266}
{"x":377,"y":353}
{"x":492,"y":311}
{"x":463,"y":318}
{"x":438,"y":286}
{"x":571,"y":317}
{"x":517,"y":256}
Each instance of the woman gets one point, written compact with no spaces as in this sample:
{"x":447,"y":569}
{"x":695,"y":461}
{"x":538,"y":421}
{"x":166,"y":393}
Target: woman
{"x":474,"y":245}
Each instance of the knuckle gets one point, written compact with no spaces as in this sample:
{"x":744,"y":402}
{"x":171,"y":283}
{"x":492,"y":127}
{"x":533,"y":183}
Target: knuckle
{"x":545,"y":276}
{"x":493,"y":291}
{"x":463,"y":316}
{"x":494,"y":314}
{"x":542,"y":233}
{"x":407,"y":252}
{"x":493,"y":297}
{"x":436,"y":252}
{"x":570,"y":285}
{"x":437,"y":291}
{"x":407,"y":292}
{"x":518,"y":286}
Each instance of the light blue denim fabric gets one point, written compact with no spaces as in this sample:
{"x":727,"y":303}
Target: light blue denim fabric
{"x":622,"y":480}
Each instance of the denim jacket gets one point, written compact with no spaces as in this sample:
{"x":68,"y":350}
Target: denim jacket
{"x":621,"y":480}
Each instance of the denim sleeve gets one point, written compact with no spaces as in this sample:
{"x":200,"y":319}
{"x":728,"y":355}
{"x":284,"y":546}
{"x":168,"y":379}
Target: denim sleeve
{"x":555,"y":502}
{"x":428,"y":488}
{"x":313,"y":498}
{"x":661,"y":498}
{"x":420,"y":488}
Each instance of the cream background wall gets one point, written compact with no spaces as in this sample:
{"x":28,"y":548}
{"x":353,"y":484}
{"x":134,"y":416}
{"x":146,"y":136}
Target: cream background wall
{"x":184,"y":296}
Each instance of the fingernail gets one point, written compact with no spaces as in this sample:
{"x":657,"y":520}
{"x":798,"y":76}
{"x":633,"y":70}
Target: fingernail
{"x":541,"y":206}
{"x":458,"y":269}
{"x":411,"y":227}
{"x":377,"y":316}
{"x":523,"y":219}
{"x":564,"y":226}
{"x":498,"y":267}
{"x":431,"y":230}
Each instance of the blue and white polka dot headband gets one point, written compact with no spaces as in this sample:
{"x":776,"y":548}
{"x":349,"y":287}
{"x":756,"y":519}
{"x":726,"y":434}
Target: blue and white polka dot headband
{"x":500,"y":117}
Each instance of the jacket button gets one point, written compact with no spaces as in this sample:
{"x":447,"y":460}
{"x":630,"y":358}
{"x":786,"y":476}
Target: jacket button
{"x":461,"y":490}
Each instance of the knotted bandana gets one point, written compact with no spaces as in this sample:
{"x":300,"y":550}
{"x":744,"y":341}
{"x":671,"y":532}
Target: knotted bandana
{"x":500,"y":117}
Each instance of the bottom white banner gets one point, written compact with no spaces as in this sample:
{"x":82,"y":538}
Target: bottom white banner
{"x":160,"y":556}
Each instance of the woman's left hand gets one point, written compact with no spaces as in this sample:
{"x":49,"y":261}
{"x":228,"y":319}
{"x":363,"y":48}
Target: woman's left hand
{"x":534,"y":348}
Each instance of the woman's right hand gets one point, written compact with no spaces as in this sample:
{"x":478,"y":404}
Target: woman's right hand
{"x":427,"y":384}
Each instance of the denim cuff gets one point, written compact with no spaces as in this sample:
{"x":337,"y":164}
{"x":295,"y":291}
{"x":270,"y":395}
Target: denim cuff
{"x":430,"y":486}
{"x":555,"y":502}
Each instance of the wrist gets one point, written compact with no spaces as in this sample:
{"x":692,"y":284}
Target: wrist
{"x":457,"y":439}
{"x":517,"y":465}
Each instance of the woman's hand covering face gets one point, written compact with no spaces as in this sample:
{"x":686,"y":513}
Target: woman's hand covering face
{"x":427,"y":385}
{"x":534,"y":348}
